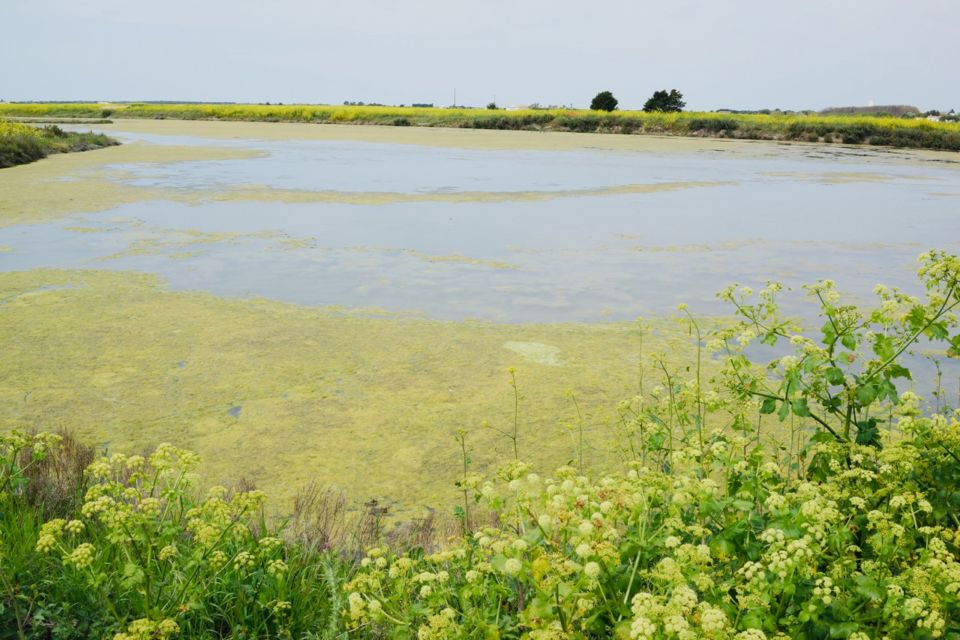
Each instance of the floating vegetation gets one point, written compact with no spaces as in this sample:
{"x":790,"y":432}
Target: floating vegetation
{"x":362,"y":400}
{"x":38,"y":192}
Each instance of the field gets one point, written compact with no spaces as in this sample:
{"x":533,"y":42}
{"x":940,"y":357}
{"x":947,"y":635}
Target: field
{"x":709,"y":529}
{"x":884,"y":131}
{"x":20,"y":143}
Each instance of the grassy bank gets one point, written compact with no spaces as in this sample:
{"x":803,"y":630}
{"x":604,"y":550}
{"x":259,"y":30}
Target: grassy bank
{"x":710,"y":528}
{"x":843,"y":129}
{"x":20,"y":143}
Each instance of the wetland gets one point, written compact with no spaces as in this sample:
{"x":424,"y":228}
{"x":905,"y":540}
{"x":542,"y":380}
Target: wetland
{"x":320,"y":302}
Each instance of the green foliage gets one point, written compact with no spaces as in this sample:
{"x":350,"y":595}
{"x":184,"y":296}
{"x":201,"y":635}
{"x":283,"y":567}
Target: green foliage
{"x":603,"y":101}
{"x":143,"y":558}
{"x":665,"y":101}
{"x":712,"y":529}
{"x":857,"y":362}
{"x":20,"y":143}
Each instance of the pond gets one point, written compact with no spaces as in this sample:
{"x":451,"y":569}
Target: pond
{"x":506,"y":234}
{"x":330,"y":303}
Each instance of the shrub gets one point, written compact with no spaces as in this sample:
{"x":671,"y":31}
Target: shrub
{"x":603,"y":101}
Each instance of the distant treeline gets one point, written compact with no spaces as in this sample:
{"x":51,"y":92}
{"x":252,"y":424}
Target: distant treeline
{"x":893,"y":131}
{"x":879,"y":110}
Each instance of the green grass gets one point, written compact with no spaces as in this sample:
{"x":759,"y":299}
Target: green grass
{"x":845,"y":129}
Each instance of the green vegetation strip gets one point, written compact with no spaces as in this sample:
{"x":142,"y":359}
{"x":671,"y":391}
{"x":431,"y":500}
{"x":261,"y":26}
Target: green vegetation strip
{"x":20,"y":143}
{"x":708,"y":529}
{"x":845,"y":129}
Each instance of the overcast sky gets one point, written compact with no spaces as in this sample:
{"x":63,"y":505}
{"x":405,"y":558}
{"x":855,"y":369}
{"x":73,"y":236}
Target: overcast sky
{"x":744,"y":54}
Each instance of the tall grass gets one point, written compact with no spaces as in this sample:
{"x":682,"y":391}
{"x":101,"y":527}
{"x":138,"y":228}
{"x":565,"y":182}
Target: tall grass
{"x":846,"y":129}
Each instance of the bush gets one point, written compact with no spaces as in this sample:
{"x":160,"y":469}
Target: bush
{"x":664,"y":101}
{"x":603,"y":101}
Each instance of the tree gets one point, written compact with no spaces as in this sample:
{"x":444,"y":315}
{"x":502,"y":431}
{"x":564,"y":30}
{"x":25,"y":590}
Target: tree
{"x":663,"y":101}
{"x":604,"y":101}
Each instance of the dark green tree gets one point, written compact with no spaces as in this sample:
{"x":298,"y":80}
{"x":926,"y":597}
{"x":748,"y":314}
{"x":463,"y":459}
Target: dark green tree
{"x":664,"y":101}
{"x":604,"y":101}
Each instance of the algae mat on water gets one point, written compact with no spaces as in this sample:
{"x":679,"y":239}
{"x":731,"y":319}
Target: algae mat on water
{"x":80,"y":182}
{"x":283,"y":394}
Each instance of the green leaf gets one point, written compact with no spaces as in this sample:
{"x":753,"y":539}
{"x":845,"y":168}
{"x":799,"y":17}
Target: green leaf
{"x":132,"y":575}
{"x":849,"y":341}
{"x":868,"y":588}
{"x":769,"y":405}
{"x":866,"y":394}
{"x":897,"y":371}
{"x":843,"y":629}
{"x":784,"y":411}
{"x":835,"y":376}
{"x":867,"y":432}
{"x":883,"y":347}
{"x":800,"y":408}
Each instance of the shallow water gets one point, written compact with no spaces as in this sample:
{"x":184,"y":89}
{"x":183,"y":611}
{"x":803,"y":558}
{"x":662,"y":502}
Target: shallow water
{"x":515,"y":235}
{"x":513,"y":227}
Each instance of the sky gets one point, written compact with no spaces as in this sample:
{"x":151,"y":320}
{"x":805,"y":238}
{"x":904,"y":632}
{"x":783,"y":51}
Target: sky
{"x":739,"y":54}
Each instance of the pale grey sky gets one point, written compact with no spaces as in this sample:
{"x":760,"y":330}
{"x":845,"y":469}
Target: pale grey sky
{"x":734,"y":53}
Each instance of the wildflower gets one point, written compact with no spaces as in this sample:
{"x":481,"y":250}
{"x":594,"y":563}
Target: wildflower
{"x":46,"y":543}
{"x":789,"y":363}
{"x":217,"y":559}
{"x":357,"y":606}
{"x":512,"y":566}
{"x":82,"y":556}
{"x":167,"y":628}
{"x":74,"y":526}
{"x":592,"y":570}
{"x":642,"y":629}
{"x":168,"y":552}
{"x":242,"y":560}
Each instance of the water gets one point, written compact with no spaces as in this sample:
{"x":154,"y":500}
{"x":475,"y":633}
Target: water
{"x":510,"y":235}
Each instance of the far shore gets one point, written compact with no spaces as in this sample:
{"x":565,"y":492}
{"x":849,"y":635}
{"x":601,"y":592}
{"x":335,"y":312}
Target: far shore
{"x":877,"y":131}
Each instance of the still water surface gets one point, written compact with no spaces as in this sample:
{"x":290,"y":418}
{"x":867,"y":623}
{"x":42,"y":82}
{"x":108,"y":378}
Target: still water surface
{"x":510,"y":235}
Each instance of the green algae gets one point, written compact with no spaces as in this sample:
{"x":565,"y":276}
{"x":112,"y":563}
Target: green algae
{"x":189,"y":243}
{"x":537,"y":352}
{"x":79,"y":183}
{"x":842,"y":177}
{"x":350,"y":398}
